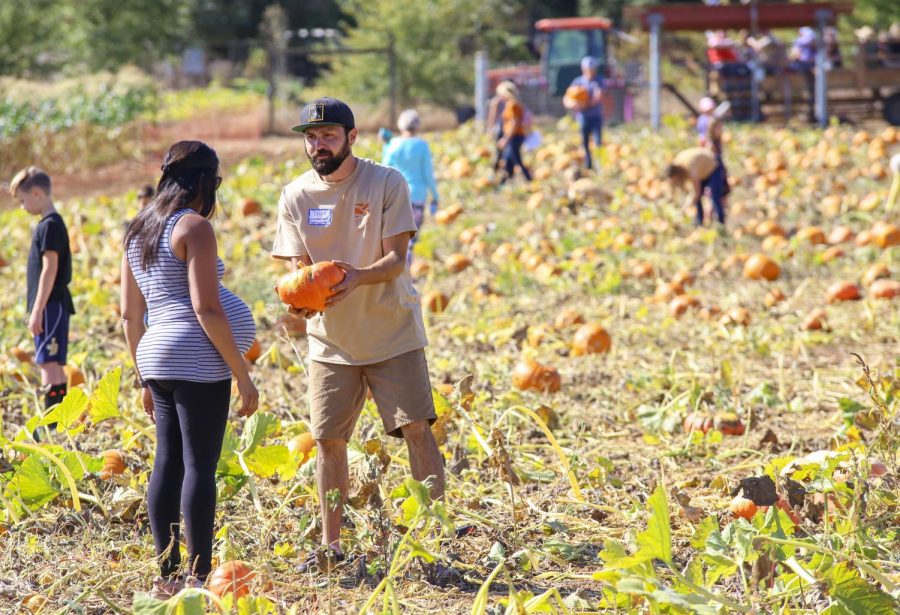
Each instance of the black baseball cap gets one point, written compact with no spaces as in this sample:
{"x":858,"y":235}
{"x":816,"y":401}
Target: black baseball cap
{"x":325,"y":112}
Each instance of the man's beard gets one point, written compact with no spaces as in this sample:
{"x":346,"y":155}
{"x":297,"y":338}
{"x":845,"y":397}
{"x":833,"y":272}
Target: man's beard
{"x":325,"y":163}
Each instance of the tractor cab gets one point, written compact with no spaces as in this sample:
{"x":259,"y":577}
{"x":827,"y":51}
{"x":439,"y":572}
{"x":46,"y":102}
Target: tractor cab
{"x":563,"y":44}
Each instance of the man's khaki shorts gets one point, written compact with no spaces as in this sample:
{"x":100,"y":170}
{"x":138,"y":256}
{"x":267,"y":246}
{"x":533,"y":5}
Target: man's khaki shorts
{"x":400,"y":387}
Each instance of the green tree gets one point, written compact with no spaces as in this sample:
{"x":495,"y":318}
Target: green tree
{"x":434,"y":41}
{"x":877,"y":13}
{"x":105,"y":34}
{"x":29,"y":37}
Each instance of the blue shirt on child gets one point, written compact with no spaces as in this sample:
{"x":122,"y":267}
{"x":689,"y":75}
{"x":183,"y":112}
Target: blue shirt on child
{"x":412,"y":157}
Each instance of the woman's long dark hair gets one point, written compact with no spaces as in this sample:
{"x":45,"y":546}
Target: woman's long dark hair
{"x":190,"y":171}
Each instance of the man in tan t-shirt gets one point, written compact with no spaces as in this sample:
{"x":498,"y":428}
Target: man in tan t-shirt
{"x":371,"y":335}
{"x":699,"y":168}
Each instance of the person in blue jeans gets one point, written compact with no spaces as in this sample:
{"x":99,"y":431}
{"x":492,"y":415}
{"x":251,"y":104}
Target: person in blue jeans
{"x":411,"y":156}
{"x":700,"y":169}
{"x":514,"y":131}
{"x":590,"y":113}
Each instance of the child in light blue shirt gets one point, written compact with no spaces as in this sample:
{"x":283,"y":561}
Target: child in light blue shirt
{"x":411,"y":156}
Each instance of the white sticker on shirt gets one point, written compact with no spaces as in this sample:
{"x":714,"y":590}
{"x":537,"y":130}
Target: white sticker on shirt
{"x":320,"y":216}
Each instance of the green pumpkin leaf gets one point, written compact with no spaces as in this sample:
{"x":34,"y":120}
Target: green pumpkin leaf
{"x":441,"y":405}
{"x":656,"y":541}
{"x":853,"y":595}
{"x":265,"y":460}
{"x":104,"y":402}
{"x":68,"y":411}
{"x":258,"y":427}
{"x":32,"y":479}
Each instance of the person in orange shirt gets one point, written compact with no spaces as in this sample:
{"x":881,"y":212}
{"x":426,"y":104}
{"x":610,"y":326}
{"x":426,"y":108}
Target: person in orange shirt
{"x":513,"y":130}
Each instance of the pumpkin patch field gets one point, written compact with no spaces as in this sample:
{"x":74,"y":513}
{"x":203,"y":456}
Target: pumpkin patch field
{"x":636,"y":415}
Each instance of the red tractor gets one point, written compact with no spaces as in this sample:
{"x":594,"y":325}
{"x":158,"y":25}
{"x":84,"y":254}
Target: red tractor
{"x":563,"y":43}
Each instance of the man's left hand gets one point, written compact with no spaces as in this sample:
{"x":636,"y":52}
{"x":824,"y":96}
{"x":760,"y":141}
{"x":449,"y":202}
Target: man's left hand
{"x":352,"y":279}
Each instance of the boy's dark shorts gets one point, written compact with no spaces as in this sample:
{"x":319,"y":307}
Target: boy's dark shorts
{"x":53,"y":344}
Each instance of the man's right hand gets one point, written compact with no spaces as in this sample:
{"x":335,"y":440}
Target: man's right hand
{"x":304,"y":312}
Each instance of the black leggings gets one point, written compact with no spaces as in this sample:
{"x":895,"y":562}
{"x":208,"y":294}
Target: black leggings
{"x":190,"y":427}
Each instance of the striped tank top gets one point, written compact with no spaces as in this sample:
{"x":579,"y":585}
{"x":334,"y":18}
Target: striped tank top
{"x":175,"y":346}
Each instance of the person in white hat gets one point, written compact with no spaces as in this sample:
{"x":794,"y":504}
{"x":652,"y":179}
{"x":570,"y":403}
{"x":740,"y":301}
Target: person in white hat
{"x":589,"y":114}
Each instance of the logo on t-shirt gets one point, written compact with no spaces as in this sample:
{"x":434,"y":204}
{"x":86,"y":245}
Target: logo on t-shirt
{"x":361,"y":209}
{"x":319,"y":217}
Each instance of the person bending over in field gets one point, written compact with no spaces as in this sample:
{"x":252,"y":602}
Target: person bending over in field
{"x":186,"y":358}
{"x":48,"y":275}
{"x":371,"y":335}
{"x":698,"y":169}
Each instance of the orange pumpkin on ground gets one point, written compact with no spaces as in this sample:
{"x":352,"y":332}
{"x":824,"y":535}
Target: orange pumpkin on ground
{"x":448,"y":214}
{"x":761,"y":267}
{"x":643,"y":269}
{"x":457,"y":262}
{"x":840,"y":234}
{"x":815,"y":321}
{"x":254,"y":352}
{"x":683,"y":278}
{"x":301,"y":446}
{"x":886,"y":235}
{"x":590,"y":338}
{"x":232,"y":577}
{"x":811,"y":234}
{"x":435,"y":301}
{"x":774,"y":297}
{"x":25,"y":356}
{"x":863,"y":239}
{"x":531,"y":375}
{"x":842,"y":291}
{"x":767,"y":228}
{"x":680,"y":304}
{"x":729,"y":424}
{"x":250,"y":207}
{"x":568,"y":318}
{"x":743,"y":507}
{"x":113,"y":463}
{"x":419,"y":268}
{"x":832,"y":253}
{"x":309,"y":287}
{"x":875,"y":272}
{"x":666,"y":291}
{"x":884,"y":289}
{"x":74,"y":375}
{"x":738,"y":316}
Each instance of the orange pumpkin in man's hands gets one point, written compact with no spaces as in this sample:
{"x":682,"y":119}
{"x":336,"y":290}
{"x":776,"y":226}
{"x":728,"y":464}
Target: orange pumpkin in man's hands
{"x":309,"y":287}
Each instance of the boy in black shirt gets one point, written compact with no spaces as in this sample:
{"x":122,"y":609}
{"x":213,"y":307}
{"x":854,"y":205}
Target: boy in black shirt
{"x":49,"y":273}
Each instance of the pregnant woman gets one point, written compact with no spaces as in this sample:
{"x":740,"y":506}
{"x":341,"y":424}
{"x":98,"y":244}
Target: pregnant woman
{"x":186,"y":358}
